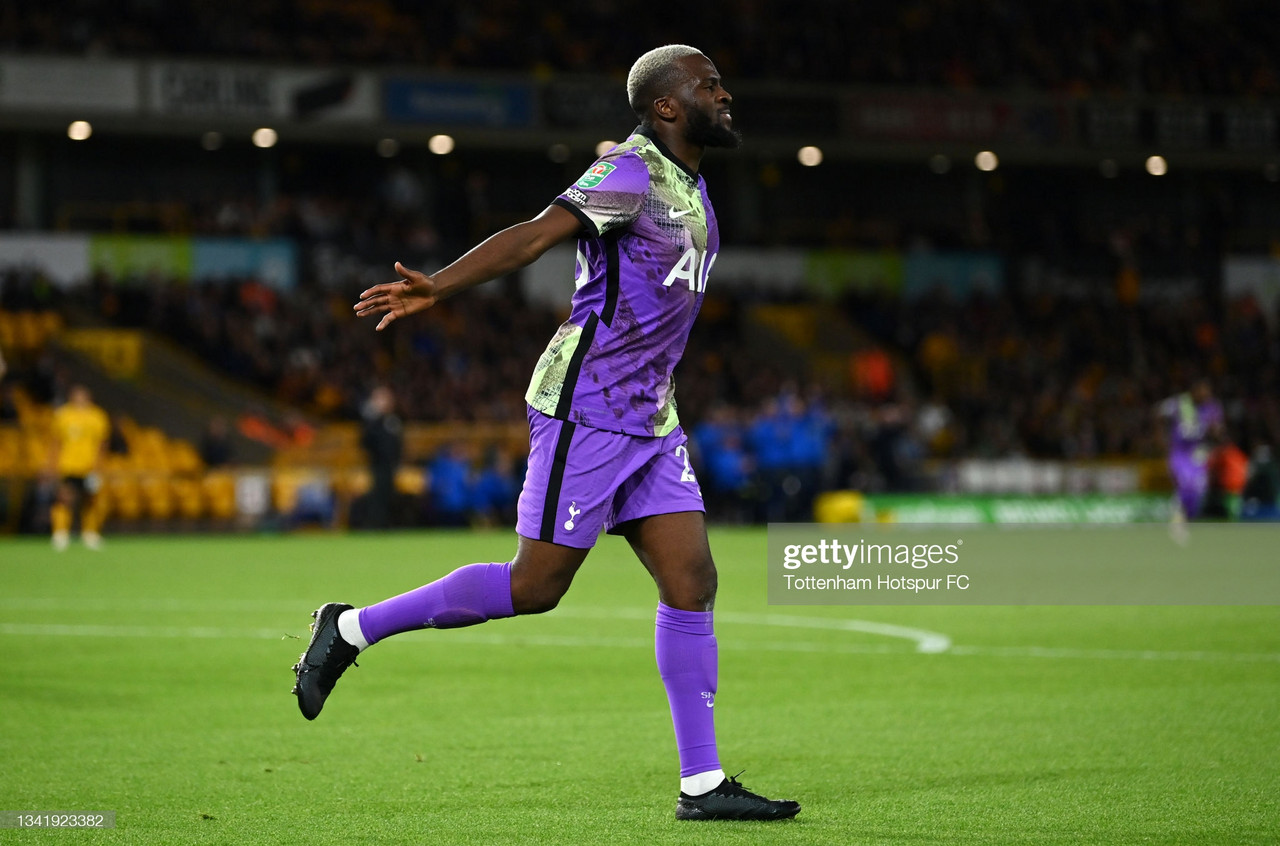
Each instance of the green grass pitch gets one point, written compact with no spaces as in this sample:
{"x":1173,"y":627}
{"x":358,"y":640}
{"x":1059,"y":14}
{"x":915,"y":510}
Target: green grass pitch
{"x":152,"y":679}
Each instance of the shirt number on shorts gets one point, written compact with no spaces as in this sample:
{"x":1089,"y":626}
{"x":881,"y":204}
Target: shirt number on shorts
{"x":686,"y":475}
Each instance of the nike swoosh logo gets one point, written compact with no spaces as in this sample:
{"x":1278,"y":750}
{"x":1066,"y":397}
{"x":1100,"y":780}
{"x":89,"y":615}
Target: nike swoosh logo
{"x":673,"y":214}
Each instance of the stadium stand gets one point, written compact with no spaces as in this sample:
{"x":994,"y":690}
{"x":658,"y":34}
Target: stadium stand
{"x":1112,"y":294}
{"x":1186,"y":47}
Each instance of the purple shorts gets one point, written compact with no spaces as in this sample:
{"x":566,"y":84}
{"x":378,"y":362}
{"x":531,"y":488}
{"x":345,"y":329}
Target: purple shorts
{"x":581,"y":480}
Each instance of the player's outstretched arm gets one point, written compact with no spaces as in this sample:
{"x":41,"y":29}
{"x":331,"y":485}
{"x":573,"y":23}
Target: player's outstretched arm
{"x":498,"y":255}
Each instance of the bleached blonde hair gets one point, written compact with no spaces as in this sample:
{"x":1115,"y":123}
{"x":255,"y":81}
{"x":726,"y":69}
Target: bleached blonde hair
{"x":654,"y":74}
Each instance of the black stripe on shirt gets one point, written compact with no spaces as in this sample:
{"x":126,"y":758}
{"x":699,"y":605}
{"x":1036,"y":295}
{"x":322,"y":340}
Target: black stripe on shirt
{"x":575,"y":367}
{"x":611,"y":279}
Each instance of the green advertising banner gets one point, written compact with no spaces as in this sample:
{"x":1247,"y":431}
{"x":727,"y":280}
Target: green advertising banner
{"x":829,"y":273}
{"x":1091,"y":509}
{"x":123,"y":256}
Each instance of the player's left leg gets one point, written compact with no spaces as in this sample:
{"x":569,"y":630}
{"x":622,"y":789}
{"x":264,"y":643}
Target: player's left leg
{"x":60,"y":514}
{"x":674,"y":549}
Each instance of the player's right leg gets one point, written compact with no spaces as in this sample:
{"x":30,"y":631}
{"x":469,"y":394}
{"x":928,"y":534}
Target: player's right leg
{"x":564,"y":502}
{"x":531,"y":583}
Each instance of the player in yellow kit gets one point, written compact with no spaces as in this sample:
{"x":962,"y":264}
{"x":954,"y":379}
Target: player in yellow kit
{"x":80,"y":431}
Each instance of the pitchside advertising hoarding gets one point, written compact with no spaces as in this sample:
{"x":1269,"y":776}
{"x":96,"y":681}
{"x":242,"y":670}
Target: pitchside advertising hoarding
{"x":1151,"y":564}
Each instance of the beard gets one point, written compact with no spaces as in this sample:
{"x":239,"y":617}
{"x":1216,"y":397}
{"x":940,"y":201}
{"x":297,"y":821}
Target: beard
{"x":703,"y":131}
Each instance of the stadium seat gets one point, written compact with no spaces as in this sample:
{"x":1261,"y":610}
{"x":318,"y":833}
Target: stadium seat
{"x":11,"y":463}
{"x":157,"y":496}
{"x":188,"y":497}
{"x":219,"y":488}
{"x":182,"y":457}
{"x":411,"y":480}
{"x":123,"y":497}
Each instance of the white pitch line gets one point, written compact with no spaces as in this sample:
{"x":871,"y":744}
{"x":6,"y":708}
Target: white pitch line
{"x":925,"y":641}
{"x":571,"y":641}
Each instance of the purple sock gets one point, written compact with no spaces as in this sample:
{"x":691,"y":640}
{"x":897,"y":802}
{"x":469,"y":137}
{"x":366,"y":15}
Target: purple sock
{"x":468,"y":595}
{"x":687,"y":661}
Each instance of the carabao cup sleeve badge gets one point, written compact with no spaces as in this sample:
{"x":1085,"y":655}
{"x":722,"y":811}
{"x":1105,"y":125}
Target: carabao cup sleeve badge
{"x":595,"y":175}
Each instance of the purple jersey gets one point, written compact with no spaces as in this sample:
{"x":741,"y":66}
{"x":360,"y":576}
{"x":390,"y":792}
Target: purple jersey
{"x":649,"y":239}
{"x":1190,"y":426}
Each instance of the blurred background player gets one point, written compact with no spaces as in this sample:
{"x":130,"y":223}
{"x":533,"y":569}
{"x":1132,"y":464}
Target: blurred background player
{"x":80,"y":431}
{"x":1194,"y":419}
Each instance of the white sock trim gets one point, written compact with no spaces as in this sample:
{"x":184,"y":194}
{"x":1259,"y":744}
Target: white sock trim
{"x":349,"y":629}
{"x":700,"y":783}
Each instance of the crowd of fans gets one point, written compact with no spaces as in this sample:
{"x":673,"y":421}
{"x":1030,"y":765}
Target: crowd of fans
{"x":1176,"y":47}
{"x":984,"y":377}
{"x":1050,"y":377}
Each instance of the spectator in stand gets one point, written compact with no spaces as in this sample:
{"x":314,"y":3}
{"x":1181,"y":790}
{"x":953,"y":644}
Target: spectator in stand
{"x":1228,"y":473}
{"x":450,"y":487}
{"x":871,"y":373}
{"x":382,"y":437}
{"x":810,"y":451}
{"x":496,"y":490}
{"x":770,"y":438}
{"x":117,"y":443}
{"x":725,"y":467}
{"x":1179,"y":49}
{"x":215,"y":443}
{"x":1262,"y":491}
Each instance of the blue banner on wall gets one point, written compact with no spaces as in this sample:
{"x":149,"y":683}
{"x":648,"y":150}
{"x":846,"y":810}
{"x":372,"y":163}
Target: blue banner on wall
{"x":459,"y":103}
{"x":958,"y":274}
{"x":274,"y":261}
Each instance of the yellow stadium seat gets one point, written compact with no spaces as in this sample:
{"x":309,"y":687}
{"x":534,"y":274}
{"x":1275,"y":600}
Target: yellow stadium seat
{"x":157,"y":496}
{"x":220,"y":494}
{"x":411,"y":480}
{"x":36,"y":447}
{"x":115,"y":463}
{"x":189,"y":498}
{"x":123,"y":496}
{"x":183,"y":458}
{"x":358,"y":482}
{"x":284,"y":490}
{"x":11,"y":463}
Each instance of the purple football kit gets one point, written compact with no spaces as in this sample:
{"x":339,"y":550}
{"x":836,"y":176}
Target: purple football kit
{"x":604,"y":437}
{"x":605,"y":442}
{"x":1191,"y":426}
{"x":606,"y":450}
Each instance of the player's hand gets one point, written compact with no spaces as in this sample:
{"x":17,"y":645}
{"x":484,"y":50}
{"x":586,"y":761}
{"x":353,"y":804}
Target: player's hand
{"x":414,"y":293}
